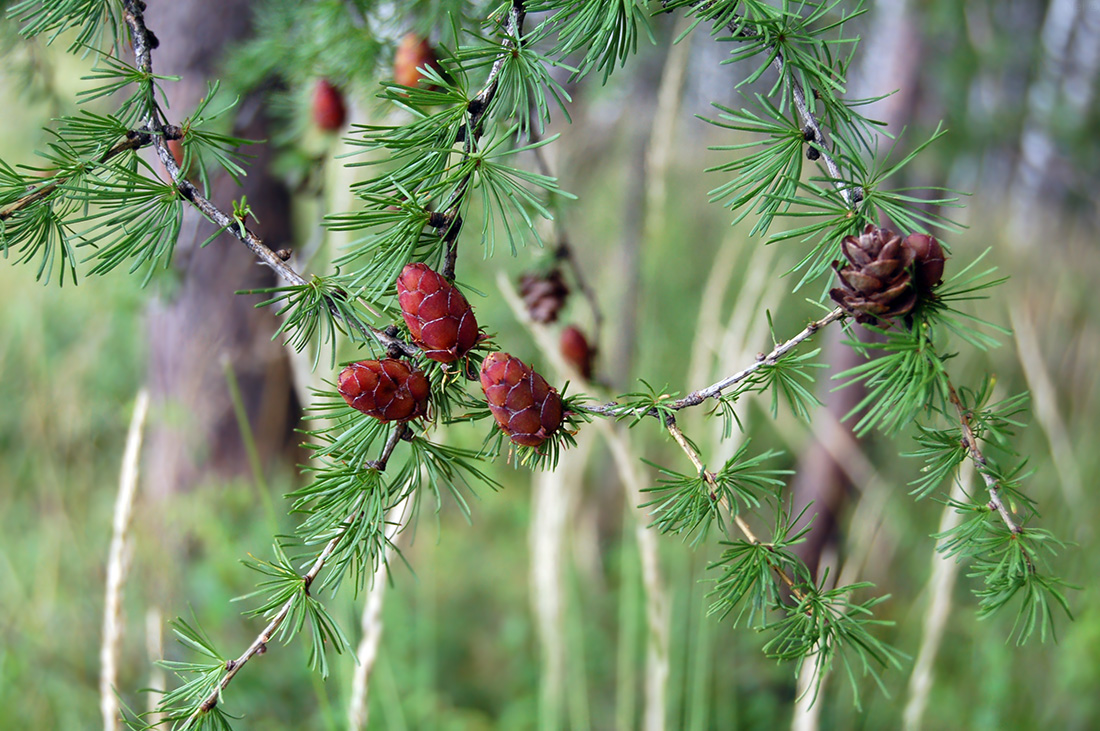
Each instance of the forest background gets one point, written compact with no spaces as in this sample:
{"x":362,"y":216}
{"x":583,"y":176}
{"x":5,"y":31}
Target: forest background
{"x":1016,"y":86}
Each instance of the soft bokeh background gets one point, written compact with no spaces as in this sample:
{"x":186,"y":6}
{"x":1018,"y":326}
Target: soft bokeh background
{"x":1016,"y":84}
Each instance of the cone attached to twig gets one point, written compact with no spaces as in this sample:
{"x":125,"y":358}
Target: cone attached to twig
{"x":886,"y":274}
{"x":544,"y":294}
{"x":388,"y":390}
{"x":525,"y":406}
{"x":440,"y":319}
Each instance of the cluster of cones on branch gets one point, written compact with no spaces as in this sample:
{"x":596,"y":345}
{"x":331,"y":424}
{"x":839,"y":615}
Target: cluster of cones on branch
{"x":886,"y":275}
{"x":442,"y":324}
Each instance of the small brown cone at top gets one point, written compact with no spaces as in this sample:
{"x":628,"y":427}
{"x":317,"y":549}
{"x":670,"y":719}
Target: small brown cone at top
{"x":576,"y":350}
{"x":413,"y":54}
{"x":929,"y":261}
{"x":525,"y":406}
{"x":440,"y":319}
{"x":875,"y":284}
{"x":388,"y":390}
{"x":544,"y":295}
{"x":327,"y":106}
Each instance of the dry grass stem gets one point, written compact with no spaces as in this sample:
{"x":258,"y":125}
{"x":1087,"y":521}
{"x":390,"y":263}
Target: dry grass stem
{"x":1045,"y":398}
{"x":118,"y":564}
{"x":940,"y":586}
{"x":371,"y":622}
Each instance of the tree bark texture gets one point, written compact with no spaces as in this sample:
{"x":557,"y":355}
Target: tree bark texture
{"x":203,"y":331}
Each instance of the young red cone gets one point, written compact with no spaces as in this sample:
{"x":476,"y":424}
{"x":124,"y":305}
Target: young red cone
{"x":329,"y":110}
{"x":525,"y":406}
{"x":440,"y":319}
{"x":388,"y":390}
{"x":413,"y":54}
{"x":575,"y":349}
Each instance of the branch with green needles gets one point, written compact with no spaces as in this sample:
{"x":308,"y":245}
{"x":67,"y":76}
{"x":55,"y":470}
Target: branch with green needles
{"x":970,"y":443}
{"x":259,"y":645}
{"x":812,"y":129}
{"x":715,"y":390}
{"x":449,"y":223}
{"x":157,"y":134}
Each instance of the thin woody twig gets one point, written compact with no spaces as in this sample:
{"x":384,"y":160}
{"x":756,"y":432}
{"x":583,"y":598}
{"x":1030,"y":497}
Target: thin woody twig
{"x":449,"y":223}
{"x":564,"y":250}
{"x":259,"y":645}
{"x":811,"y":126}
{"x":712,"y":483}
{"x":715,"y":390}
{"x":992,"y":486}
{"x":134,"y":140}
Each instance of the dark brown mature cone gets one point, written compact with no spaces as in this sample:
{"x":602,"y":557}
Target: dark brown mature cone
{"x":876,"y":284}
{"x":544,"y":295}
{"x":388,"y":390}
{"x":928,"y":267}
{"x":527,"y":408}
{"x":575,"y":349}
{"x":440,"y":319}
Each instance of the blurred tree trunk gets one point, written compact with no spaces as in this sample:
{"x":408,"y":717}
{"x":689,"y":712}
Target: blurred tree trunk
{"x":1032,"y":180}
{"x":202,"y":331}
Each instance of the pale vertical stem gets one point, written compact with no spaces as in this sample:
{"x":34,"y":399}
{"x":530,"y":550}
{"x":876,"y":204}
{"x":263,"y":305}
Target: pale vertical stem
{"x":154,"y":651}
{"x":709,"y":321}
{"x":657,"y":600}
{"x":945,"y":569}
{"x":549,"y":510}
{"x":1083,"y":60}
{"x":118,"y":564}
{"x":371,"y":622}
{"x":1045,"y":399}
{"x":864,"y":526}
{"x":807,"y":712}
{"x":555,"y":497}
{"x":662,"y":140}
{"x":656,"y":595}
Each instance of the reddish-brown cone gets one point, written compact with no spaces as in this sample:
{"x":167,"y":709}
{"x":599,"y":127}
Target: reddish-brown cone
{"x":527,"y":408}
{"x":388,"y":390}
{"x":176,"y":148}
{"x":544,"y":294}
{"x":876,"y":284}
{"x":440,"y":319}
{"x":576,"y":350}
{"x":413,"y":53}
{"x":929,"y":260}
{"x":329,"y":111}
